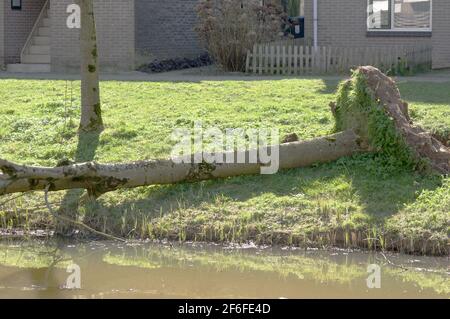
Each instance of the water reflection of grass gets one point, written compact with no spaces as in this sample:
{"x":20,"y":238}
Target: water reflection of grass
{"x":318,"y":268}
{"x":437,"y":282}
{"x":298,"y":266}
{"x":123,"y":260}
{"x":301,"y":267}
{"x":32,"y":256}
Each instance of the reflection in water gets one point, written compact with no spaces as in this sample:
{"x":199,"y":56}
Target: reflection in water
{"x":138,"y":270}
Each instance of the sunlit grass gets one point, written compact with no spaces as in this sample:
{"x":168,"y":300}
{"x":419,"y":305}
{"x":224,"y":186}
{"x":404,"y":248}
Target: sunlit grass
{"x":352,"y":196}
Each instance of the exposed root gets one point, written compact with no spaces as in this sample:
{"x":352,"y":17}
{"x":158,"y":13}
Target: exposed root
{"x":422,"y":144}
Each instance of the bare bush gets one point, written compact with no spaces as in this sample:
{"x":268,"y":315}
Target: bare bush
{"x":229,"y":28}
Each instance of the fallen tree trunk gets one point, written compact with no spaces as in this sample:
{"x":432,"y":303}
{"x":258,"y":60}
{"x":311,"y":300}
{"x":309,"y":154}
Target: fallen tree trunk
{"x":101,"y":178}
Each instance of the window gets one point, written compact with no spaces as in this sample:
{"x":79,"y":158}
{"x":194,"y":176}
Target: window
{"x":16,"y":4}
{"x":293,"y":8}
{"x":379,"y":14}
{"x":399,"y":15}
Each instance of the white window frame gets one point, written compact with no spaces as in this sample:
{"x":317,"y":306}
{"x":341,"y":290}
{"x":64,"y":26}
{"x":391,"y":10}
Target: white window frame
{"x":394,"y":29}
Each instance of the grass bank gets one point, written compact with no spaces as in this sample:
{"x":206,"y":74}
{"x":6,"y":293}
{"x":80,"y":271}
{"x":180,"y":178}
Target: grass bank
{"x":357,"y":201}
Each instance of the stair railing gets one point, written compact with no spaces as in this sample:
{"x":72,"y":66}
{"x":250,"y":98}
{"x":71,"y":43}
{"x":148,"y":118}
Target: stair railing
{"x":34,"y":30}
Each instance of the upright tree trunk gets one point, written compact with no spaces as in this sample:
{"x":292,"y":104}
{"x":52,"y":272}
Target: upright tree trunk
{"x":91,"y":115}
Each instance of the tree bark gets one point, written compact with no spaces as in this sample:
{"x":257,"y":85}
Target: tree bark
{"x":91,"y":117}
{"x":98,"y":178}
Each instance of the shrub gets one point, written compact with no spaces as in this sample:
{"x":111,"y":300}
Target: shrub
{"x":229,"y":28}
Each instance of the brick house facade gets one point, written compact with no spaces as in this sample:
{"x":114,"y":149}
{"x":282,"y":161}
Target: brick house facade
{"x":165,"y":29}
{"x":441,"y":34}
{"x":132,"y":32}
{"x":2,"y":35}
{"x":344,"y":23}
{"x":115,"y":33}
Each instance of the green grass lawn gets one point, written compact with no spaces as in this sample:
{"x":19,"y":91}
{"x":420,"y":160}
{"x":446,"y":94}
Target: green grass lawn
{"x":349,"y":202}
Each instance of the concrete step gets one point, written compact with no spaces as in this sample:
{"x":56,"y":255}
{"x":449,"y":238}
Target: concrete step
{"x":44,"y":31}
{"x":39,"y":40}
{"x":28,"y":68}
{"x":36,"y":58}
{"x":39,"y":49}
{"x":46,"y":22}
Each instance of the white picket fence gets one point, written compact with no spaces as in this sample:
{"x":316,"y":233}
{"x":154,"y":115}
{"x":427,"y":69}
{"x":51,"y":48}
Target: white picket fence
{"x":291,"y":59}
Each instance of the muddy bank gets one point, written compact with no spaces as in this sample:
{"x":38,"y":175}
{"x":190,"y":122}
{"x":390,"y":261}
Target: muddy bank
{"x":340,"y":239}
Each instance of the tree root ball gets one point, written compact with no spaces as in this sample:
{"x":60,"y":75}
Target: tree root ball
{"x":370,"y":104}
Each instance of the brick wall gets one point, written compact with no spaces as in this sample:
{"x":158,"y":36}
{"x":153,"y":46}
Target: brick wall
{"x":165,"y":29}
{"x":441,"y":34}
{"x":18,"y":25}
{"x":115,"y":34}
{"x":344,"y":23}
{"x":2,"y":38}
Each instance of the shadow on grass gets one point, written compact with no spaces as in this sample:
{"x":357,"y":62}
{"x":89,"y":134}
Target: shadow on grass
{"x":86,"y":148}
{"x":413,"y":92}
{"x":331,"y":85}
{"x":354,"y":181}
{"x":169,"y":77}
{"x":429,"y":93}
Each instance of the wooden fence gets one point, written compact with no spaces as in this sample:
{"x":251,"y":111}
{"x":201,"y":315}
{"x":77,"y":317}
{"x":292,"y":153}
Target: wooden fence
{"x":294,"y":59}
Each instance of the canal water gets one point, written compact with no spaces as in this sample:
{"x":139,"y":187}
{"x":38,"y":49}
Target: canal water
{"x":49,"y":269}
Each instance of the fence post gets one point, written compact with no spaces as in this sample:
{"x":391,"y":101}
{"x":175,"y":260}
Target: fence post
{"x":366,"y":55}
{"x":337,"y":62}
{"x":295,"y":59}
{"x":272,"y":59}
{"x":247,"y":61}
{"x":324,"y":59}
{"x":260,"y":59}
{"x":351,"y":57}
{"x":289,"y":59}
{"x":335,"y":54}
{"x":301,"y":69}
{"x":278,"y":56}
{"x":254,"y":59}
{"x":328,"y":58}
{"x":266,"y":59}
{"x":345,"y":59}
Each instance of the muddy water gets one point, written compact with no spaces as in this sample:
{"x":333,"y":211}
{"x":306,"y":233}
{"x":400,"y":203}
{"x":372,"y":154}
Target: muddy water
{"x":143,"y":270}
